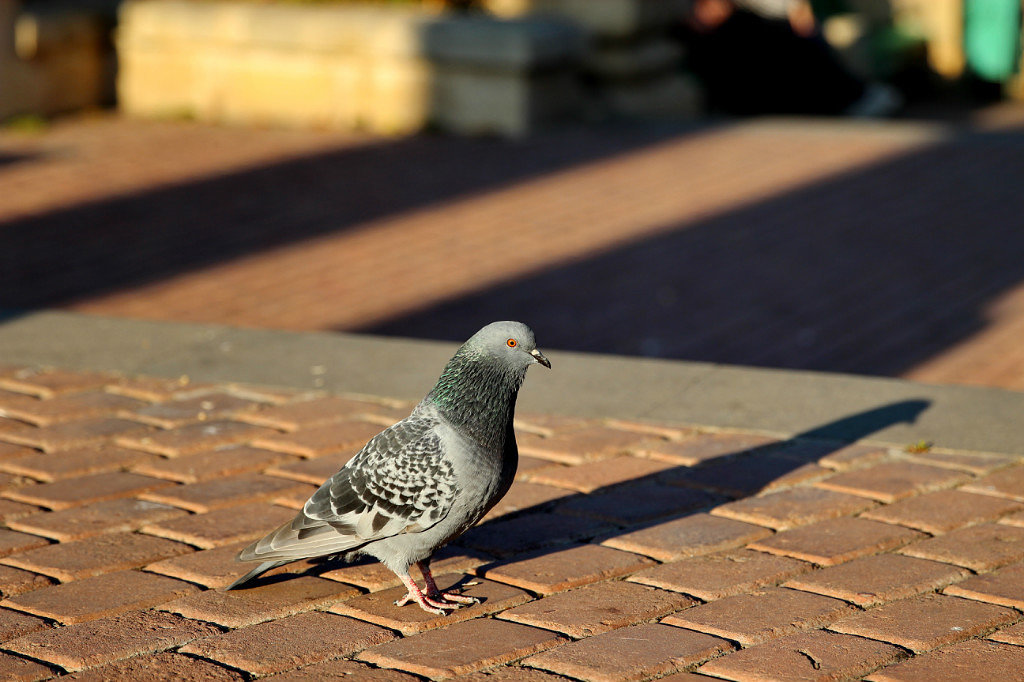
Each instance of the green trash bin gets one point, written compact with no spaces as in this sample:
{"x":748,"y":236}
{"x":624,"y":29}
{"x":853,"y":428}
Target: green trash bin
{"x":992,"y":38}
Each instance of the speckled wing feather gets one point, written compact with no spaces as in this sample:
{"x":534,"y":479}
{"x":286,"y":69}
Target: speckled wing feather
{"x":398,"y":483}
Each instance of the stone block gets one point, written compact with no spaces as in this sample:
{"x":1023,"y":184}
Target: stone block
{"x":601,"y":18}
{"x":478,"y":102}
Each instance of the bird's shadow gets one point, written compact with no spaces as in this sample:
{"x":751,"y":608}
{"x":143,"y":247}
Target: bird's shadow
{"x":656,"y":498}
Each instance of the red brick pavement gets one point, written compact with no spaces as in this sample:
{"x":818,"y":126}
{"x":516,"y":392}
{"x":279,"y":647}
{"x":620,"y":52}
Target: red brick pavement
{"x":884,"y":248}
{"x":910,"y":571}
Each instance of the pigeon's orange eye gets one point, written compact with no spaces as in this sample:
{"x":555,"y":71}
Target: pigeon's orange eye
{"x":512,"y":343}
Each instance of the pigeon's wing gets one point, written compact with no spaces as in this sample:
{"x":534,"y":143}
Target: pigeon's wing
{"x":398,"y":483}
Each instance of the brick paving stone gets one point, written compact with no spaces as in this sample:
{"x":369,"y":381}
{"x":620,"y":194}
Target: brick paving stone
{"x":685,"y":677}
{"x":290,"y":642}
{"x":597,"y":608}
{"x":10,"y":510}
{"x":268,"y":601}
{"x":316,"y":412}
{"x":758,"y":616}
{"x":877,"y":579}
{"x":508,"y":537}
{"x":269,"y":395}
{"x":462,"y":648}
{"x":13,"y":481}
{"x":73,"y":463}
{"x":581,"y":445}
{"x":215,"y":567}
{"x":512,"y":673}
{"x":975,"y":660}
{"x":591,"y":476}
{"x":1008,"y":482}
{"x":633,"y":504}
{"x":76,"y":434}
{"x":16,"y":581}
{"x":99,"y":597}
{"x":223,"y":492}
{"x":12,"y":542}
{"x":979,"y":548}
{"x":926,"y":622}
{"x":816,"y":655}
{"x":153,"y":389}
{"x":97,"y":642}
{"x":943,"y":511}
{"x":700,"y":448}
{"x":891,"y":481}
{"x":193,"y":438}
{"x":744,"y":476}
{"x":15,"y":624}
{"x":48,"y":383}
{"x":548,"y":424}
{"x":853,"y":456}
{"x":527,"y":465}
{"x":343,"y":669}
{"x":67,"y":408}
{"x":372,"y":575}
{"x":163,"y":666}
{"x":295,"y":498}
{"x":100,"y":554}
{"x":10,"y":450}
{"x":662,"y":431}
{"x":689,"y":536}
{"x":1010,"y":635}
{"x":714,"y":576}
{"x":232,"y":525}
{"x":1014,"y":519}
{"x":174,"y":413}
{"x":837,"y":540}
{"x":314,"y":471}
{"x":1004,"y":586}
{"x":73,"y":492}
{"x":111,"y":516}
{"x":204,"y":466}
{"x":563,"y":569}
{"x":976,"y":463}
{"x":525,"y":496}
{"x":379,"y":607}
{"x":320,"y":440}
{"x":791,"y":508}
{"x":630,"y":653}
{"x":17,"y":669}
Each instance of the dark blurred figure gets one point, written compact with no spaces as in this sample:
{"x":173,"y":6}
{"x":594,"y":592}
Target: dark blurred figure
{"x":768,"y":57}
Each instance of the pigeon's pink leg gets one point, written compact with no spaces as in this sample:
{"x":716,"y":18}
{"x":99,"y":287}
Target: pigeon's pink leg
{"x":415,"y":595}
{"x":454,"y":600}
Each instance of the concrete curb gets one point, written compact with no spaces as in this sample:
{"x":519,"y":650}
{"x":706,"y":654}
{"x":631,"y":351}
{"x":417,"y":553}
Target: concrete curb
{"x":779,"y":402}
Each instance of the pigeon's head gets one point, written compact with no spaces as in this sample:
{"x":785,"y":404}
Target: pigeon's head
{"x":510,"y":343}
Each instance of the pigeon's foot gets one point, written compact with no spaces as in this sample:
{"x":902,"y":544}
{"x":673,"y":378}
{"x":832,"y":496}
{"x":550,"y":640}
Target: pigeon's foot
{"x":426,"y":601}
{"x":428,"y":605}
{"x":449,"y":600}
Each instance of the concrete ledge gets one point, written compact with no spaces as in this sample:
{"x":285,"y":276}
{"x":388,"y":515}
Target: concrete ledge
{"x":775,"y":401}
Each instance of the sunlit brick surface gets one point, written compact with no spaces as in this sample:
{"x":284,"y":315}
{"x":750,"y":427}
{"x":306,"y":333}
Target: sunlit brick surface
{"x":618,"y":554}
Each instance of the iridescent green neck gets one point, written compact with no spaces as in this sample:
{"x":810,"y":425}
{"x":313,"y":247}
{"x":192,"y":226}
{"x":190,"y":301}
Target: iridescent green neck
{"x":477,"y":394}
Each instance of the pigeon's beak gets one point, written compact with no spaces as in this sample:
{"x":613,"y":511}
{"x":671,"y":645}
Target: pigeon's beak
{"x":539,"y":357}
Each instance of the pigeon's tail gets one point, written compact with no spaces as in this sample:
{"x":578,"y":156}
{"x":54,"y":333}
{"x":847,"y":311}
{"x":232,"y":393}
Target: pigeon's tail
{"x":300,"y":538}
{"x":258,"y":571}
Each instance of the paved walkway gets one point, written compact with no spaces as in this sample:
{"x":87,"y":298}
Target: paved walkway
{"x":881,"y":248}
{"x":624,"y":550}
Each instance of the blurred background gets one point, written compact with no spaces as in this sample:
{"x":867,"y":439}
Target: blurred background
{"x":831,"y":185}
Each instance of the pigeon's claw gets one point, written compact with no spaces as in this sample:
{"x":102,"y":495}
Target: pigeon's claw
{"x":455,"y":600}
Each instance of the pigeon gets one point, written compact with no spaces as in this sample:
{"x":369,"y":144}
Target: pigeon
{"x":425,"y":480}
